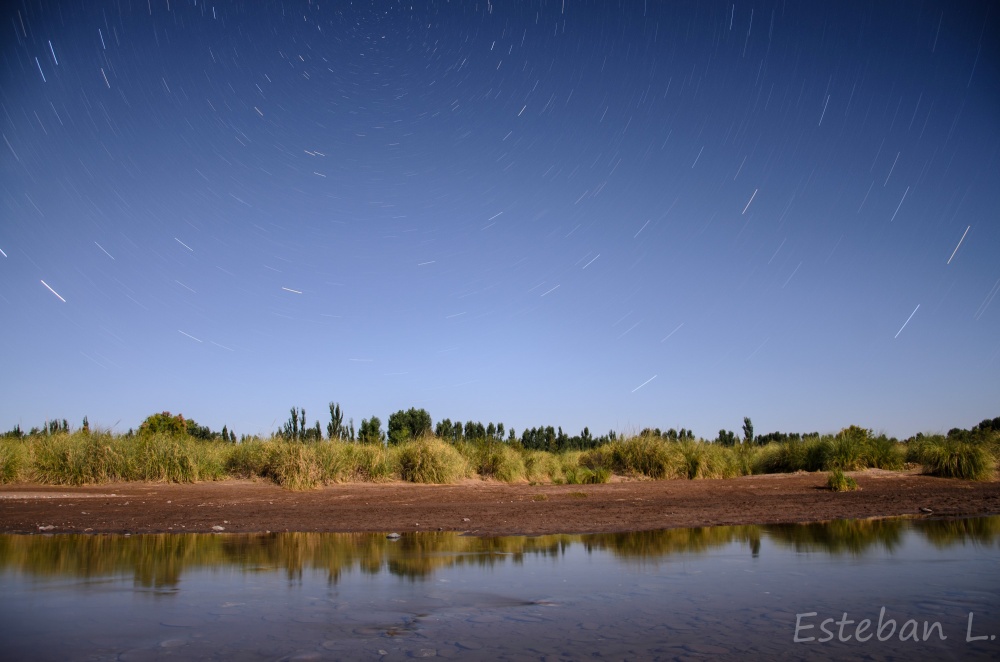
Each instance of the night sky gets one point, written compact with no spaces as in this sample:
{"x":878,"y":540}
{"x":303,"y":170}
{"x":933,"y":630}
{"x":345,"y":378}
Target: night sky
{"x":614,"y":215}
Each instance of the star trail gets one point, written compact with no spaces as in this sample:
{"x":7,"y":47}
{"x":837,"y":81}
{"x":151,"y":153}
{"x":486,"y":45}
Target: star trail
{"x":505,"y":209}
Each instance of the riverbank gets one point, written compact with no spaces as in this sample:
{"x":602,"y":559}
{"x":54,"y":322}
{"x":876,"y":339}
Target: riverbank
{"x":484,"y":507}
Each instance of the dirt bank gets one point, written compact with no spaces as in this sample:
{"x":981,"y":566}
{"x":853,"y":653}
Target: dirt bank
{"x":483,"y":508}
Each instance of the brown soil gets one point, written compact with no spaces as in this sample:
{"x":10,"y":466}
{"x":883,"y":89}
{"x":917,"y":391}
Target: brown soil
{"x":484,"y":508}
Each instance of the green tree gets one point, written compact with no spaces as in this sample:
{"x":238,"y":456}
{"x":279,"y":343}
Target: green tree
{"x":315,"y":433}
{"x":164,"y":423}
{"x":448,"y":431}
{"x":86,"y":425}
{"x":370,"y":431}
{"x":726,"y":438}
{"x":551,"y":440}
{"x":202,"y":432}
{"x":410,"y":424}
{"x":296,"y":429}
{"x":335,"y":428}
{"x":747,"y":430}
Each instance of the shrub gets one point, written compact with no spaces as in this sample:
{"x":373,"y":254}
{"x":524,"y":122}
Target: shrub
{"x":809,"y":454}
{"x":744,"y":459}
{"x":429,"y":461}
{"x":541,"y":466}
{"x":839,"y":482}
{"x":951,"y":458}
{"x":848,"y":449}
{"x":884,"y":453}
{"x":336,"y":461}
{"x":645,"y":456}
{"x":13,"y":460}
{"x":494,"y":460}
{"x":581,"y":475}
{"x":704,"y":460}
{"x":249,"y":459}
{"x":294,"y":466}
{"x":371,"y":462}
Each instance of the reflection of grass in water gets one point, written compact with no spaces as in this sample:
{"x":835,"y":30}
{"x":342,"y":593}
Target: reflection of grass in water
{"x":983,"y":531}
{"x":160,"y":560}
{"x":840,"y":536}
{"x":661,"y":544}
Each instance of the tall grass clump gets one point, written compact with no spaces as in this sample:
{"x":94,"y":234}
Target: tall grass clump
{"x":580,"y":475}
{"x":744,"y":458}
{"x":429,"y":460}
{"x":85,"y":457}
{"x":642,"y":456}
{"x":249,"y":459}
{"x":14,"y":460}
{"x":492,"y":459}
{"x":371,"y":462}
{"x":706,"y":460}
{"x":541,"y":466}
{"x":884,"y":453}
{"x":808,"y":454}
{"x":293,"y":465}
{"x":336,"y":461}
{"x":954,"y":458}
{"x":582,"y":468}
{"x":840,"y":482}
{"x":849,"y":449}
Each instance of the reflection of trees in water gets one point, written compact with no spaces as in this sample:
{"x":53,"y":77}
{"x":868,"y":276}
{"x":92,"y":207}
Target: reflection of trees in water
{"x":158,"y":561}
{"x":155,"y":561}
{"x":654,"y":545}
{"x":840,"y":536}
{"x":983,"y":531}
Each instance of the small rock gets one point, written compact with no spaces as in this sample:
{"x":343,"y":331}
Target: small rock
{"x":47,"y":527}
{"x":466,"y":519}
{"x":393,"y":536}
{"x":926,"y":510}
{"x":218,"y":528}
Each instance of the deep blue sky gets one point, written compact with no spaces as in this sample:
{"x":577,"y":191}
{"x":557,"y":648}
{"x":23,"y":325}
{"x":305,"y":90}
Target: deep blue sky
{"x":616,"y":215}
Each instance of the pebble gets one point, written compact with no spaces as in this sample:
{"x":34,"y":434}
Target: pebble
{"x":393,"y":536}
{"x":218,"y":528}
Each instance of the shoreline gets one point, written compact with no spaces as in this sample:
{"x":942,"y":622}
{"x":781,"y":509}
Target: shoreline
{"x":484,"y":508}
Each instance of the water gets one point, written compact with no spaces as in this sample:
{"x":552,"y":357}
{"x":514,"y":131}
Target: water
{"x":734,"y":592}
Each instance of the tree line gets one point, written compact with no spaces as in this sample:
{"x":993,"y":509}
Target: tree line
{"x":414,"y":423}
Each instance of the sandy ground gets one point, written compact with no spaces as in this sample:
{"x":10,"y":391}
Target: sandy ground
{"x":482,"y":507}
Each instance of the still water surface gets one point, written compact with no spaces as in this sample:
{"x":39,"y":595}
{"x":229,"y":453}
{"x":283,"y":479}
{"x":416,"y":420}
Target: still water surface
{"x":735,"y":592}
